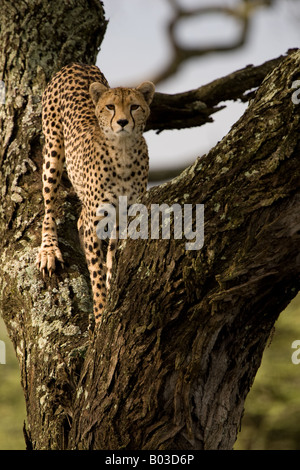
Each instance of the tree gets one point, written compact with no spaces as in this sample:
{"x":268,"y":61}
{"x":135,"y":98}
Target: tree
{"x":184,"y":331}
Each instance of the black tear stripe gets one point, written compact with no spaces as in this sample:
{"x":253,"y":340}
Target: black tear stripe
{"x":112,"y":119}
{"x":132,"y":119}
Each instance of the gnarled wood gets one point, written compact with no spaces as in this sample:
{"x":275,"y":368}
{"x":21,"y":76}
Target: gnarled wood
{"x":184,"y":331}
{"x":47,"y":320}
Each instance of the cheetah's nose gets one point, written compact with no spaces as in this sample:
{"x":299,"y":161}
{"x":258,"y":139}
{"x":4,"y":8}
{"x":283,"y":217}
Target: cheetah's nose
{"x":122,"y":122}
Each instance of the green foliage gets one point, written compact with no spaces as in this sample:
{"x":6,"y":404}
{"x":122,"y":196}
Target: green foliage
{"x":272,"y":411}
{"x":12,"y":403}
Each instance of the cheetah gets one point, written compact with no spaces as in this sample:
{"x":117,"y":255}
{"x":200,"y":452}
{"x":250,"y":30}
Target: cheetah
{"x":97,"y":133}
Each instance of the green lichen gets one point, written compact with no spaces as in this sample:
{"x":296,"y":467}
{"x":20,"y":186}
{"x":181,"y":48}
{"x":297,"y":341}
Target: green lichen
{"x":51,"y":309}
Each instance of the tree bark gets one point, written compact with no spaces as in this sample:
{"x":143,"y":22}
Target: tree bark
{"x":48,"y":321}
{"x":184,"y":331}
{"x":195,"y":107}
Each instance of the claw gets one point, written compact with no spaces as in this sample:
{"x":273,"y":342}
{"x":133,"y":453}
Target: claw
{"x":46,"y":259}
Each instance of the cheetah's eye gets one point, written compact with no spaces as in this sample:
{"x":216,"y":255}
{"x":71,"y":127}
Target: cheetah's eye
{"x":133,"y":107}
{"x":111,"y":107}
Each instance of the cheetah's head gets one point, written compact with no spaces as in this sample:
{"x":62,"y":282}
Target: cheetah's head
{"x":122,"y":112}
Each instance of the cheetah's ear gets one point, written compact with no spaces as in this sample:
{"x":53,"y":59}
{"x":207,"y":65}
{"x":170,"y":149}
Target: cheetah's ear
{"x":96,"y":90}
{"x":148,"y":90}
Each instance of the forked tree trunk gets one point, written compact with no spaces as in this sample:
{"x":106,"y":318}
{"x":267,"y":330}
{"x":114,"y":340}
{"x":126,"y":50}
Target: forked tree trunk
{"x":184,"y":331}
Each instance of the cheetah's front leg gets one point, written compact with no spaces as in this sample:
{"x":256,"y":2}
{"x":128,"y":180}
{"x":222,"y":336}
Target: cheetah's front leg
{"x":49,"y":251}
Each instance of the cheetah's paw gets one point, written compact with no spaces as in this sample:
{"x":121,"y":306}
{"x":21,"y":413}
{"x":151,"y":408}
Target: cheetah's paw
{"x":46,"y":259}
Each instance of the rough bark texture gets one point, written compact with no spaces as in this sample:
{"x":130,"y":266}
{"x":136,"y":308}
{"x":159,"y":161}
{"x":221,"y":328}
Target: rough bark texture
{"x":195,"y":107}
{"x":184,"y":331}
{"x":47,"y":321}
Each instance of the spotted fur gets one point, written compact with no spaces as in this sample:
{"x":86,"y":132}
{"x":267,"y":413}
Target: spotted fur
{"x":97,"y":132}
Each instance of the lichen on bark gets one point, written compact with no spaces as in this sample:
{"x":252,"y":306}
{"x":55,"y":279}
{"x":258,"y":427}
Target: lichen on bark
{"x":47,"y":320}
{"x":195,"y":336}
{"x":184,"y":332}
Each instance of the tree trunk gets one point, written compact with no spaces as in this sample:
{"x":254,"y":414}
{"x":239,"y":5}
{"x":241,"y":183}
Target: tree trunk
{"x":47,"y":321}
{"x":184,"y":331}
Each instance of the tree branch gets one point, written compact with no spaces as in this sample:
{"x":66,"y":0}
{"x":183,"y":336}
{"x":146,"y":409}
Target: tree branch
{"x":242,"y":12}
{"x":195,"y":108}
